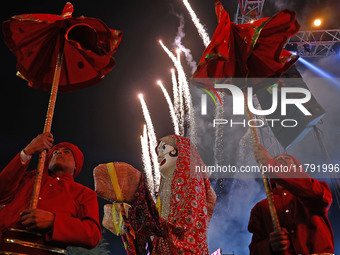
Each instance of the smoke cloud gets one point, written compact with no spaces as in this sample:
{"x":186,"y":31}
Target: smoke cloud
{"x":237,"y":196}
{"x":178,"y":43}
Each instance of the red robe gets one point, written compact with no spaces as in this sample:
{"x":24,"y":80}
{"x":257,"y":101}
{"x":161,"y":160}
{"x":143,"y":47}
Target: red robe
{"x":252,"y":50}
{"x":75,"y":206}
{"x":191,"y":204}
{"x":302,"y":207}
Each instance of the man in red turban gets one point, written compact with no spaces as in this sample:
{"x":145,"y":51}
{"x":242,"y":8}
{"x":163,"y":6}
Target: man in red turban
{"x":302,"y":204}
{"x":67,"y":212}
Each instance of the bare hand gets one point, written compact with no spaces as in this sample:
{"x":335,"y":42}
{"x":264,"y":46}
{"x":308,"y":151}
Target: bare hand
{"x":279,"y":241}
{"x":261,"y":154}
{"x":41,"y":142}
{"x":37,"y":219}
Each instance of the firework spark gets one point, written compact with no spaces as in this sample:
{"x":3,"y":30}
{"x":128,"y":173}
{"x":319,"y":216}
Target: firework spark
{"x":147,"y":160}
{"x":171,"y":107}
{"x":200,"y":28}
{"x":218,"y":148}
{"x":185,"y":90}
{"x":175,"y":92}
{"x":180,"y":73}
{"x":152,"y":143}
{"x":170,"y":54}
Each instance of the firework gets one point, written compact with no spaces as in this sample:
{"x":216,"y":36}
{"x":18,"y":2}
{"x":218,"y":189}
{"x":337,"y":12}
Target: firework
{"x":200,"y":28}
{"x":147,"y":160}
{"x":171,"y":107}
{"x":152,"y":143}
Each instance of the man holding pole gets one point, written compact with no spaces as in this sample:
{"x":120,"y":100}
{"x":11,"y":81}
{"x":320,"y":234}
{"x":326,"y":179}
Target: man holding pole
{"x":302,"y":204}
{"x":67,"y":212}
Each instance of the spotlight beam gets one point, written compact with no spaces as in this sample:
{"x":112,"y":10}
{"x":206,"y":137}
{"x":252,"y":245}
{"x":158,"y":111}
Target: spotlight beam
{"x":315,"y":69}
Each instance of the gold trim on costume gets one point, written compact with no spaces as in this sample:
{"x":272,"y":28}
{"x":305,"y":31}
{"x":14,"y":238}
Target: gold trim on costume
{"x":322,"y":254}
{"x":25,"y":231}
{"x":35,"y":245}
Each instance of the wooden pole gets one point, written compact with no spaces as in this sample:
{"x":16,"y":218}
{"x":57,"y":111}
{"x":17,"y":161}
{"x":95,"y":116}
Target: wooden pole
{"x":47,"y":128}
{"x":255,"y":136}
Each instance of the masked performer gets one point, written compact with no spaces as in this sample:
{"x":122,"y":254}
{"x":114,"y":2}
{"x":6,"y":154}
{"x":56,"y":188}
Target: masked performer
{"x":179,"y":221}
{"x":67,"y":212}
{"x":302,"y":204}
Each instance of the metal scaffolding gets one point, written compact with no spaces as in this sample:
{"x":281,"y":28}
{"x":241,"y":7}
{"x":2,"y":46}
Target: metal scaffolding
{"x":248,"y":10}
{"x":315,"y":43}
{"x":312,"y":43}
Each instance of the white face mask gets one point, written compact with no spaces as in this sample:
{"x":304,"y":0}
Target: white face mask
{"x":166,"y":162}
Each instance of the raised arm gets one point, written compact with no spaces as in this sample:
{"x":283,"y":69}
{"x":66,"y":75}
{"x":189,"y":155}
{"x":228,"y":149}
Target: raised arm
{"x":314,"y":194}
{"x":13,"y":173}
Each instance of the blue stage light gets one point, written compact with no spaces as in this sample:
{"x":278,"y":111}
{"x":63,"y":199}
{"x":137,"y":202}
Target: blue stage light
{"x":316,"y":69}
{"x":330,"y":78}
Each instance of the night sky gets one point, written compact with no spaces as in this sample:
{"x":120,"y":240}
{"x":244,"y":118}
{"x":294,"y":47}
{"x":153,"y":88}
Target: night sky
{"x":106,"y":120}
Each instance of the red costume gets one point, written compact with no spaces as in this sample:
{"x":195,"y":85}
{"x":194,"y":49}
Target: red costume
{"x":250,"y":50}
{"x":302,"y":206}
{"x":191,"y":204}
{"x":75,"y":206}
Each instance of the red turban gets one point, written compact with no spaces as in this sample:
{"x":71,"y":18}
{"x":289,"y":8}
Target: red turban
{"x":77,"y":154}
{"x":296,"y":162}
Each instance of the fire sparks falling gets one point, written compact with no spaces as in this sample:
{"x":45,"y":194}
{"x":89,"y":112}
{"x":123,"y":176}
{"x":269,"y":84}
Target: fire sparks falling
{"x":152,"y":143}
{"x":185,"y":102}
{"x":147,"y":160}
{"x":181,"y":109}
{"x":200,"y":28}
{"x":171,"y":107}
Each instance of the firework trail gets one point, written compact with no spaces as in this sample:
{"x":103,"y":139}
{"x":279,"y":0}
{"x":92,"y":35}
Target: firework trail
{"x":147,"y":161}
{"x":179,"y":101}
{"x":175,"y":93}
{"x":170,"y":54}
{"x":171,"y":107}
{"x":181,"y":96}
{"x":219,"y":114}
{"x":184,"y":86}
{"x":152,"y":143}
{"x":200,"y":28}
{"x":183,"y":91}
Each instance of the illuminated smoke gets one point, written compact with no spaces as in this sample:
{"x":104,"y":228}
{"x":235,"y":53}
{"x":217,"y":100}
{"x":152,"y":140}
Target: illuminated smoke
{"x":178,"y":43}
{"x":171,"y":108}
{"x":282,"y":4}
{"x":152,"y":143}
{"x":147,"y":161}
{"x":200,"y":28}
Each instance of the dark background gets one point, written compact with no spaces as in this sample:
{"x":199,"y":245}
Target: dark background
{"x":106,"y":120}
